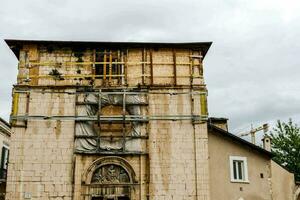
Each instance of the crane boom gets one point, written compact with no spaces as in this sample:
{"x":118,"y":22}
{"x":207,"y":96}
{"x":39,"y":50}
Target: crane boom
{"x":253,"y":131}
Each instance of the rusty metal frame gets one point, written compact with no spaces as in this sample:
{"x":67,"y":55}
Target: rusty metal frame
{"x":130,"y":91}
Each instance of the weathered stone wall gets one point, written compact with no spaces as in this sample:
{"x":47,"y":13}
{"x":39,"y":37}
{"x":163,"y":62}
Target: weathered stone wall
{"x":177,"y":150}
{"x":41,"y":157}
{"x":162,"y":66}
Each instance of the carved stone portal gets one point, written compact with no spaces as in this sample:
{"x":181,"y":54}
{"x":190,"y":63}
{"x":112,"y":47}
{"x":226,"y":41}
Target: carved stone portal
{"x":110,"y":174}
{"x":110,"y":177}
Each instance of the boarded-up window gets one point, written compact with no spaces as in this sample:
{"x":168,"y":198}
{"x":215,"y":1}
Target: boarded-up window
{"x":108,"y":64}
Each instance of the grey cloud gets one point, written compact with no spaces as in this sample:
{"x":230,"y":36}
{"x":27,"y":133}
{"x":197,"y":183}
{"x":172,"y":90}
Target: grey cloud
{"x":251,"y":70}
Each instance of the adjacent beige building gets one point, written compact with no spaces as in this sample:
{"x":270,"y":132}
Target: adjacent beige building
{"x":120,"y":121}
{"x":241,"y":170}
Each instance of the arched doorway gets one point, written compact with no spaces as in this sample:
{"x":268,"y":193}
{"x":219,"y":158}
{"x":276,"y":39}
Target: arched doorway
{"x":110,"y":178}
{"x":113,"y":183}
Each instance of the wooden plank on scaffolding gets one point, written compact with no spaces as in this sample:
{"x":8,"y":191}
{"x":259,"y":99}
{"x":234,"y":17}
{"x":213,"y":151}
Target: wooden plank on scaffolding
{"x":174,"y":67}
{"x":99,"y":118}
{"x":126,"y":66}
{"x":190,"y":68}
{"x":94,"y":65}
{"x":110,"y":67}
{"x":151,"y":67}
{"x":143,"y":65}
{"x":27,"y":106}
{"x":119,"y":68}
{"x":104,"y":66}
{"x":200,"y":64}
{"x":124,"y":121}
{"x":122,"y":68}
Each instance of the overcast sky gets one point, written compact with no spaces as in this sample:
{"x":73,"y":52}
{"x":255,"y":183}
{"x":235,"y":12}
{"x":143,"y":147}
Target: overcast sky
{"x":252,"y":69}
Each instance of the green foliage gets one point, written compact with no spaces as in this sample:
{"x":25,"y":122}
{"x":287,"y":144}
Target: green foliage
{"x":286,"y":146}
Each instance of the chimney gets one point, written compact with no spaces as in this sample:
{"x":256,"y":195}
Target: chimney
{"x":267,"y":142}
{"x":219,"y":122}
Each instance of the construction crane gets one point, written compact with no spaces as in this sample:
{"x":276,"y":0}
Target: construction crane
{"x":253,"y":131}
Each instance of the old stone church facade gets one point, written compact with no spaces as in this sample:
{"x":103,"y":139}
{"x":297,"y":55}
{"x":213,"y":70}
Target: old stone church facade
{"x":101,"y":120}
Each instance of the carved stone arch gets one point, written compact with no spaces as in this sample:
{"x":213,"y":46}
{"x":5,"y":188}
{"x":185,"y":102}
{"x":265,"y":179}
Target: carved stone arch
{"x":110,"y":160}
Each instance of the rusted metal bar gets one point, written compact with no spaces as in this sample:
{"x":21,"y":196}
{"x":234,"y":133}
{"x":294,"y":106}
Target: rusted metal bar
{"x":191,"y":68}
{"x":27,"y":102}
{"x":113,"y":153}
{"x":76,"y":101}
{"x":96,"y":136}
{"x":18,"y":126}
{"x":116,"y":118}
{"x":109,"y":92}
{"x":174,"y":67}
{"x":151,"y":66}
{"x":27,"y":106}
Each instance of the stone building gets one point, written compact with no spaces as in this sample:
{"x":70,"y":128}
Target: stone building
{"x":4,"y":152}
{"x":101,"y":120}
{"x":120,"y":121}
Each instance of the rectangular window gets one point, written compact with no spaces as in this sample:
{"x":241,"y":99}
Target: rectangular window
{"x":238,"y":169}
